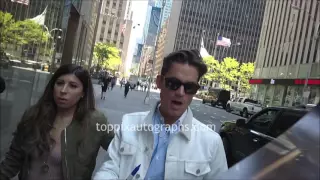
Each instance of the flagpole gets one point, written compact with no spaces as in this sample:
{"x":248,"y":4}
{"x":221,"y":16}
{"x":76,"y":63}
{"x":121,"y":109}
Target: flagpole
{"x":215,"y":48}
{"x":201,"y":38}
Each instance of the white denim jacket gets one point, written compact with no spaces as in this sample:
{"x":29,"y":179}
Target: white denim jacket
{"x":196,"y":152}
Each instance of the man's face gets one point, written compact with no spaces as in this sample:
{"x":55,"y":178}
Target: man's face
{"x":175,"y":102}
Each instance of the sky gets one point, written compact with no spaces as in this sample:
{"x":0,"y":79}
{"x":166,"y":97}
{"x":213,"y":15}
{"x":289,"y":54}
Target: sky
{"x":139,"y":9}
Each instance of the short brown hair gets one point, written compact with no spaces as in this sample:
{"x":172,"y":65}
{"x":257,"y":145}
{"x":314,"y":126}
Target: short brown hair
{"x":191,"y":57}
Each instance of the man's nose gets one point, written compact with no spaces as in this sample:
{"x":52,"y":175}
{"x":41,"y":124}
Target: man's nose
{"x":180,"y":91}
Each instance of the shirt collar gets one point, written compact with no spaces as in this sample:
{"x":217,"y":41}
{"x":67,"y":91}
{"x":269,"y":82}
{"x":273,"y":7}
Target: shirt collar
{"x":179,"y":121}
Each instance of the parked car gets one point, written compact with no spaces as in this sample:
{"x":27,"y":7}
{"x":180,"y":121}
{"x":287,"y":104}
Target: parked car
{"x":241,"y":138}
{"x":292,"y":155}
{"x":245,"y":106}
{"x":217,"y":97}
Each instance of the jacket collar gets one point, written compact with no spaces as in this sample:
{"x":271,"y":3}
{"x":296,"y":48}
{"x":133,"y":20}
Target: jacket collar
{"x":186,"y":122}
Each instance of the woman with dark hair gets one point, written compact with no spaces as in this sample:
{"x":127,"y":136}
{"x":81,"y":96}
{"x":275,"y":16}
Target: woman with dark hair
{"x":60,"y":136}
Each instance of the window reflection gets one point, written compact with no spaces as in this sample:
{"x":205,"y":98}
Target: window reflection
{"x":297,"y":96}
{"x":269,"y":94}
{"x":289,"y":96}
{"x":278,"y":92}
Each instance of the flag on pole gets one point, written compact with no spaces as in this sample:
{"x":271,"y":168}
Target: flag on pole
{"x":40,"y":18}
{"x":25,"y":2}
{"x":203,"y":51}
{"x":222,"y":41}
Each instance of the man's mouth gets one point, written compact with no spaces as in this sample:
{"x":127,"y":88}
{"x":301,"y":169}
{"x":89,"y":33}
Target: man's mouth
{"x":177,"y":103}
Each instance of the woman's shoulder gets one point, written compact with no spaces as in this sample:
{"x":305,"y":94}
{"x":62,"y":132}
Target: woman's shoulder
{"x":96,"y":116}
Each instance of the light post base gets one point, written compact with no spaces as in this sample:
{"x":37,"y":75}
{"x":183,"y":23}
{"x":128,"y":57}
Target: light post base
{"x":147,"y":100}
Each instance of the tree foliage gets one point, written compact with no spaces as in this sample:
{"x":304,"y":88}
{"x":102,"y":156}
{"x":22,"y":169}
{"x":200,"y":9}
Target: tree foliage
{"x":213,"y":69}
{"x":246,"y":72}
{"x":20,"y":32}
{"x":7,"y":34}
{"x":229,"y":72}
{"x":30,"y":32}
{"x":107,"y":56}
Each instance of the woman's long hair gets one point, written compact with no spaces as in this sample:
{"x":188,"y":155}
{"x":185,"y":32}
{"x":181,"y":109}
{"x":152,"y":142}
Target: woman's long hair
{"x":33,"y":132}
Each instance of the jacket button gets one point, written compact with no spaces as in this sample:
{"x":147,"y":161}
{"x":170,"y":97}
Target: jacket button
{"x":121,"y":149}
{"x":198,"y":171}
{"x":137,"y":176}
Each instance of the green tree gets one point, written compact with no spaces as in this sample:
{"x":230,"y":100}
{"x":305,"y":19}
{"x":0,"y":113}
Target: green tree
{"x":107,"y":56}
{"x":229,"y":71}
{"x":246,"y":72}
{"x":7,"y":26}
{"x":30,"y":32}
{"x":20,"y":32}
{"x":213,"y":66}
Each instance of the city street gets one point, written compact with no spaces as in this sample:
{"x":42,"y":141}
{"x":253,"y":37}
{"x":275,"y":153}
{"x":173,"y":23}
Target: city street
{"x":115,"y":106}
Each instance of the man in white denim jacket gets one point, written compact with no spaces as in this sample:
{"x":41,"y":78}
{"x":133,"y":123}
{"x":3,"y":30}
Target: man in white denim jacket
{"x":167,"y":142}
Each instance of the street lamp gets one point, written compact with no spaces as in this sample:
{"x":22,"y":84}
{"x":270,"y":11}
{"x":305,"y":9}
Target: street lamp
{"x":55,"y":48}
{"x":147,"y":98}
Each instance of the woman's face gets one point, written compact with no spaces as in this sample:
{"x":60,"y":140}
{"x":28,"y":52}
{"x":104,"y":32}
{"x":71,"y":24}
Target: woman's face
{"x":67,"y":92}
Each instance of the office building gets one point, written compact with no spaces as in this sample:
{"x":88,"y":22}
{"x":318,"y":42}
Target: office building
{"x":85,"y":32}
{"x":158,"y":3}
{"x":288,"y":54}
{"x":115,"y":26}
{"x":160,"y":50}
{"x":238,"y":20}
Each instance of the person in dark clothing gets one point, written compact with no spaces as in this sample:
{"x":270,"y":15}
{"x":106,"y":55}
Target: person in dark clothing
{"x":109,"y":82}
{"x":104,"y":87}
{"x":2,"y":84}
{"x":113,"y":82}
{"x":126,"y":89}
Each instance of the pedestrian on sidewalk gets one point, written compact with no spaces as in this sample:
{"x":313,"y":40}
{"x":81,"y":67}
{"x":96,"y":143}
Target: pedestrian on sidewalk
{"x":180,"y":146}
{"x":104,"y":87}
{"x":56,"y":138}
{"x":113,"y":82}
{"x":109,"y":82}
{"x":126,"y":89}
{"x":138,"y":85}
{"x":2,"y":85}
{"x":122,"y":82}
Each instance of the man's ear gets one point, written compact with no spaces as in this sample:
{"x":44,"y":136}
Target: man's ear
{"x":159,"y":81}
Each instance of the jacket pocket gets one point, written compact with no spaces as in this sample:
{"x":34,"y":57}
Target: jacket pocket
{"x":127,"y":149}
{"x":197,"y":168}
{"x":128,"y":159}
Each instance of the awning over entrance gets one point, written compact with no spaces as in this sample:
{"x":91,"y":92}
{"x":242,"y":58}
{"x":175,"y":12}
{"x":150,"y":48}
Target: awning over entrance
{"x":285,"y":81}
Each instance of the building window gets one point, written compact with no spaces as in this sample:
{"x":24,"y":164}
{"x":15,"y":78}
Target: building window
{"x":114,"y":5}
{"x":115,"y":42}
{"x":102,"y":30}
{"x":104,"y":22}
{"x":101,"y":39}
